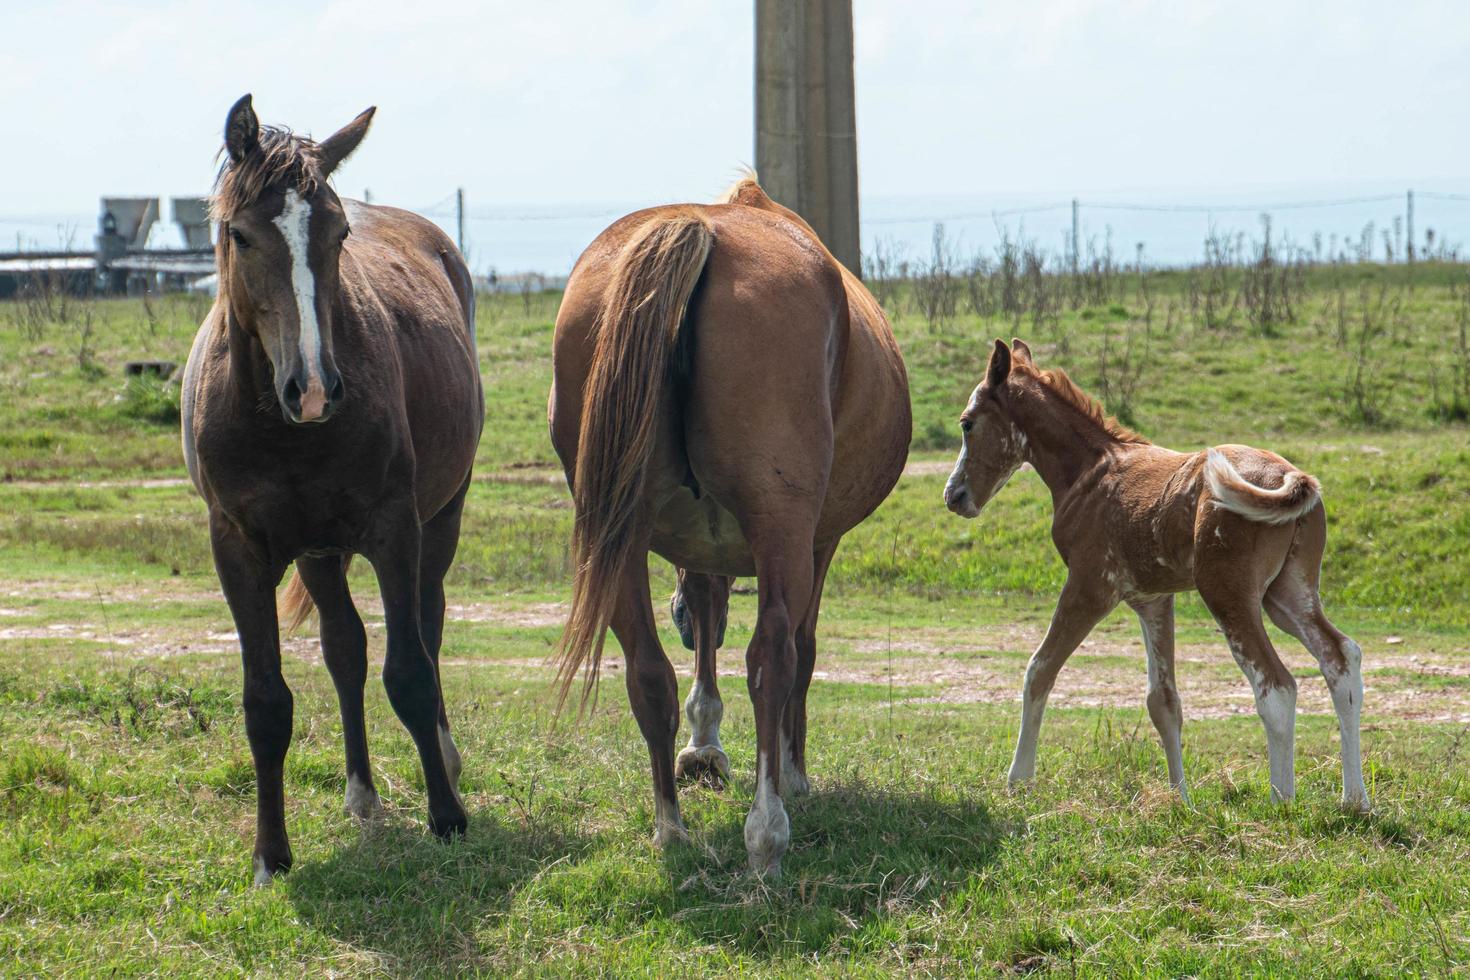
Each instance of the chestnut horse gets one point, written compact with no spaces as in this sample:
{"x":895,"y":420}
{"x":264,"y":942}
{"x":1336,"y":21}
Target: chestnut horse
{"x":331,"y":407}
{"x":1137,"y":523}
{"x":729,"y":396}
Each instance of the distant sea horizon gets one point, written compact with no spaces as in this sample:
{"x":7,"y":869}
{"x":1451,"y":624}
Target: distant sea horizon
{"x":1171,"y":226}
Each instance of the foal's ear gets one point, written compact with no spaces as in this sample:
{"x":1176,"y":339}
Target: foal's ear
{"x":1000,"y":365}
{"x":335,"y":148}
{"x":1021,"y":351}
{"x":242,"y":130}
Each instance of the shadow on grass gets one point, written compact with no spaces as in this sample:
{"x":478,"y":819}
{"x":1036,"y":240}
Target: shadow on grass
{"x":417,"y":901}
{"x":861,"y":859}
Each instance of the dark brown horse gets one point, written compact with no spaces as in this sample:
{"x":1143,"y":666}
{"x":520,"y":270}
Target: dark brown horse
{"x":332,"y":407}
{"x":730,"y":397}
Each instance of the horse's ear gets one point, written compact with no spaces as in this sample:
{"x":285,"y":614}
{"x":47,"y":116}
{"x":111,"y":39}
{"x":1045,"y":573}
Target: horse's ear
{"x":1000,"y":365}
{"x":242,"y":130}
{"x":1021,"y":351}
{"x":339,"y":145}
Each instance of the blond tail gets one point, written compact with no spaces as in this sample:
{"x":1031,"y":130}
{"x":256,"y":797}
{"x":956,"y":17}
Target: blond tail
{"x":296,"y":604}
{"x":636,"y":335}
{"x":1298,"y":494}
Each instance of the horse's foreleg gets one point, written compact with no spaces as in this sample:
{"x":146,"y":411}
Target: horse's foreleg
{"x":344,"y":648}
{"x":705,"y":602}
{"x":1157,"y":620}
{"x":408,"y":672}
{"x":653,"y":692}
{"x":1081,"y":607}
{"x":249,"y":580}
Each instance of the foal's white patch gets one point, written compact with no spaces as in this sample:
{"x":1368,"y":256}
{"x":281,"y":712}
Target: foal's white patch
{"x":294,"y":222}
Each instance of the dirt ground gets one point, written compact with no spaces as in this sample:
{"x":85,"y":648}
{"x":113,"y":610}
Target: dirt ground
{"x":1404,"y":679}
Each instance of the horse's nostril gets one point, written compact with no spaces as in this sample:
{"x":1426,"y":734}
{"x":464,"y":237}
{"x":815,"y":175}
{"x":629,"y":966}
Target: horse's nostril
{"x":291,"y":394}
{"x":337,"y":390}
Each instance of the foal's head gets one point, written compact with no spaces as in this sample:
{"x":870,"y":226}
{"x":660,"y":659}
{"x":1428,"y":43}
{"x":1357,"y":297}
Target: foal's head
{"x":281,"y":234}
{"x":993,"y":447}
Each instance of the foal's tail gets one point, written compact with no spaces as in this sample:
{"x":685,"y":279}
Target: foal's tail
{"x":296,"y":604}
{"x":636,"y":338}
{"x":1298,"y":494}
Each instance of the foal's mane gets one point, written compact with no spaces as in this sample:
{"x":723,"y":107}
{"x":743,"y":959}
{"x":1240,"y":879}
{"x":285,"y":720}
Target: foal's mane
{"x":281,"y":157}
{"x":1058,"y":383}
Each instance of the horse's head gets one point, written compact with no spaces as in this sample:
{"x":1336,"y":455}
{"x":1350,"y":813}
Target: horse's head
{"x":282,"y":229}
{"x":993,"y":446}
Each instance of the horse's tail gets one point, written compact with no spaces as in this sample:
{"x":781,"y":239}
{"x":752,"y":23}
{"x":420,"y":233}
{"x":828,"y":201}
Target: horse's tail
{"x":637,"y":333}
{"x":1298,"y":494}
{"x":296,"y":604}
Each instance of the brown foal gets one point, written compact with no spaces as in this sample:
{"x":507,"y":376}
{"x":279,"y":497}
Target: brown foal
{"x":1136,"y":523}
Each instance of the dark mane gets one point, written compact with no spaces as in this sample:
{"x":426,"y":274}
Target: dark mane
{"x":1059,"y":384}
{"x":281,"y":158}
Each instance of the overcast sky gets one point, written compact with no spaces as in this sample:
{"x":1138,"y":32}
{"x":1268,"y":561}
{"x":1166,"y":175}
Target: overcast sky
{"x":625,"y":101}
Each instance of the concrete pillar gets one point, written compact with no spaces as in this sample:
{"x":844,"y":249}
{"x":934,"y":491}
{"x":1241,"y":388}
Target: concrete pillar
{"x":806,"y":117}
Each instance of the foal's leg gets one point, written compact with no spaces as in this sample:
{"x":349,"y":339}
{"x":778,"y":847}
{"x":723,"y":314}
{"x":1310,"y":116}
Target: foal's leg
{"x":1082,"y":606}
{"x":408,"y":673}
{"x":249,"y":581}
{"x":794,"y":781}
{"x":440,"y":542}
{"x":1295,"y":606}
{"x":1239,"y":616}
{"x":706,"y":600}
{"x":653,"y":691}
{"x":1157,"y":619}
{"x":344,"y":648}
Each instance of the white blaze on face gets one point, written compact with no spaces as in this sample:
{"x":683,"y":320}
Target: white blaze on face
{"x":294,"y":221}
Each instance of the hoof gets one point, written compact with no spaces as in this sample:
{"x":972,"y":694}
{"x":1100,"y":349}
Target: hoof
{"x":703,"y":763}
{"x":794,"y":782}
{"x":267,"y":870}
{"x":450,"y":825}
{"x":667,"y":833}
{"x":767,"y":832}
{"x":1360,"y":805}
{"x":362,"y":801}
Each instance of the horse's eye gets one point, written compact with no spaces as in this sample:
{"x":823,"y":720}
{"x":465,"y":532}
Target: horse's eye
{"x":238,"y":238}
{"x":345,"y":232}
{"x":966,"y":425}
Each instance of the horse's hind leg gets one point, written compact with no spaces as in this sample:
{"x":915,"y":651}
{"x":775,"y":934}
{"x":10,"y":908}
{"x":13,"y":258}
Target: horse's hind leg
{"x":249,"y":584}
{"x":1295,"y":605}
{"x":794,"y":781}
{"x":440,"y":542}
{"x":705,"y":600}
{"x":1231,"y":598}
{"x":1157,"y":619}
{"x":653,"y":691}
{"x":344,"y":648}
{"x":784,"y":573}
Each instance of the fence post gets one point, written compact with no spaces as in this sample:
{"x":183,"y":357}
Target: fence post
{"x":1409,"y":226}
{"x":459,"y":216}
{"x":1076,"y":238}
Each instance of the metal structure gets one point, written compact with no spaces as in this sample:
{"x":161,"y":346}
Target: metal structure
{"x":806,"y":116}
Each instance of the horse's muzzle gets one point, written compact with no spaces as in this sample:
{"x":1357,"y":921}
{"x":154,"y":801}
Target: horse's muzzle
{"x":315,"y":401}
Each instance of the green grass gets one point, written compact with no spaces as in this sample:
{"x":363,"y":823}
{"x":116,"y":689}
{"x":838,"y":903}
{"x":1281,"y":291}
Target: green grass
{"x":126,"y":791}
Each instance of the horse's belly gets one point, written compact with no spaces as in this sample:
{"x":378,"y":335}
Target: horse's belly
{"x":700,"y":535}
